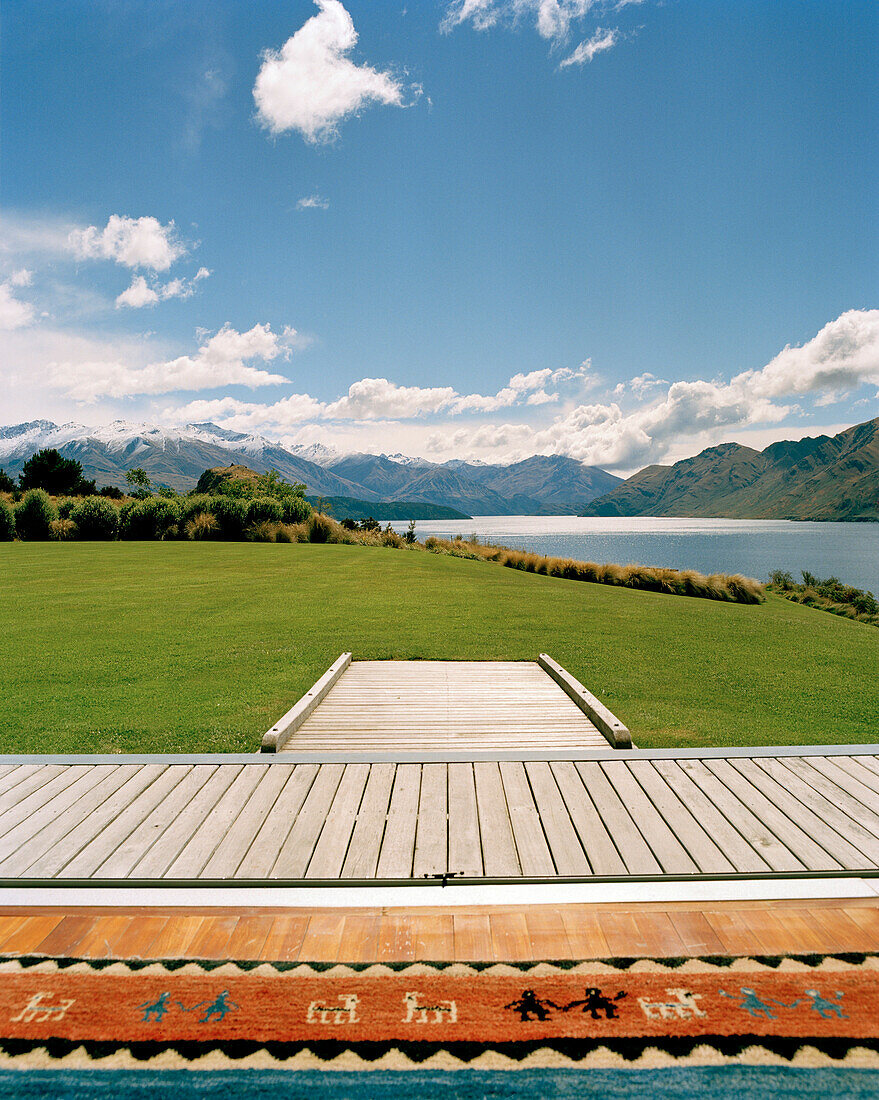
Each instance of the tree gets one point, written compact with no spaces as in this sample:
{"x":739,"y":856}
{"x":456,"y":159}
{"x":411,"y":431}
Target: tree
{"x":48,"y":470}
{"x":7,"y":485}
{"x":139,"y":481}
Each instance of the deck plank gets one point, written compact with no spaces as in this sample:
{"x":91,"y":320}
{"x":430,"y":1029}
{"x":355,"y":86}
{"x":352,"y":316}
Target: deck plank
{"x":702,"y":850}
{"x":398,"y":844}
{"x":739,"y":814}
{"x":840,"y":849}
{"x":151,"y":829}
{"x":562,"y":838}
{"x":432,"y":830}
{"x":535,"y":857}
{"x":631,"y":845}
{"x":667,"y":848}
{"x":465,"y":846}
{"x":105,"y":842}
{"x":206,"y":837}
{"x":184,"y":827}
{"x":61,"y":842}
{"x":277,"y":822}
{"x":361,"y":859}
{"x":843,"y":814}
{"x":297,"y":849}
{"x":40,"y":805}
{"x":234,"y":844}
{"x":738,"y":851}
{"x":597,"y":842}
{"x":842,"y":780}
{"x":499,"y":856}
{"x":332,"y":845}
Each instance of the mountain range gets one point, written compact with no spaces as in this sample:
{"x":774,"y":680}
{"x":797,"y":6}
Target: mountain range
{"x":540,"y":485}
{"x":822,"y":478}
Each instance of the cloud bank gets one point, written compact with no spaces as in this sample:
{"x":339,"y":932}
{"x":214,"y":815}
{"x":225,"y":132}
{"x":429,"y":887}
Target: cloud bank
{"x":223,"y":360}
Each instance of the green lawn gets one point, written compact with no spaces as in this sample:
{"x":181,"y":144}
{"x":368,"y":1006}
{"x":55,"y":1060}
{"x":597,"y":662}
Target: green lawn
{"x":182,"y":647}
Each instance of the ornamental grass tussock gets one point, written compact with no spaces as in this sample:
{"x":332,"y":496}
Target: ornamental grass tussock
{"x":685,"y":582}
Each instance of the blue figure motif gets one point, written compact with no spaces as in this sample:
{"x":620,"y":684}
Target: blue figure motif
{"x":754,"y":1006}
{"x":219,"y":1007}
{"x":826,"y":1009}
{"x":157,"y":1009}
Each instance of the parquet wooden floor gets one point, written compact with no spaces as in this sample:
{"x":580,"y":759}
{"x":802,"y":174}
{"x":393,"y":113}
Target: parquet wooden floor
{"x":493,"y":933}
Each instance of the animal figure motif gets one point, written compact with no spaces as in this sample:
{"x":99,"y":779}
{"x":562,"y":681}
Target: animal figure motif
{"x":155,"y":1010}
{"x":38,"y":1010}
{"x":529,"y":1006}
{"x":345,"y":1012}
{"x":826,"y":1008}
{"x":594,"y":1002}
{"x":683,"y":1008}
{"x":443,"y":1011}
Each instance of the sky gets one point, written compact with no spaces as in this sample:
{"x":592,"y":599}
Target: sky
{"x":621,"y":230}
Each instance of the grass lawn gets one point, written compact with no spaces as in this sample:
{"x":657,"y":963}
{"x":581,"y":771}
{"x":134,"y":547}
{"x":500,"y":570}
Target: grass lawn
{"x":184,"y":647}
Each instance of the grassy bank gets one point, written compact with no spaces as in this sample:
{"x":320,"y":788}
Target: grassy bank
{"x":179,"y":647}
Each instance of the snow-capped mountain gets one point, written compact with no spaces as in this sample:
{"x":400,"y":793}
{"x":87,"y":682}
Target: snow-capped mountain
{"x":177,"y":456}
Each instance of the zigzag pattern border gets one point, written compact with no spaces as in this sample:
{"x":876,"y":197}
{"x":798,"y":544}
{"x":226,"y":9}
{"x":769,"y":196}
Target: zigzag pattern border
{"x":613,"y":965}
{"x":584,"y":1054}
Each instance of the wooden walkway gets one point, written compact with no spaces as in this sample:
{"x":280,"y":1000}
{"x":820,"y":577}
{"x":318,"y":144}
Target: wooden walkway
{"x":495,"y":934}
{"x":445,"y":705}
{"x":606,"y":815}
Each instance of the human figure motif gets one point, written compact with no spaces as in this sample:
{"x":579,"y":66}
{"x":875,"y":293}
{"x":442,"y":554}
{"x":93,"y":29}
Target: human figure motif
{"x":826,"y":1009}
{"x":595,"y":1002}
{"x":156,"y":1010}
{"x":529,"y":1006}
{"x":754,"y":1006}
{"x":219,"y":1007}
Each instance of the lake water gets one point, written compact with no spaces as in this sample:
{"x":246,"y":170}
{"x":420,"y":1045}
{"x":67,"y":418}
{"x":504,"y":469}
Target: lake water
{"x":849,"y":551}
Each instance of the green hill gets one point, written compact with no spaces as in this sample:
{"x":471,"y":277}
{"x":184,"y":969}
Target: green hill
{"x":184,"y":647}
{"x":825,"y":478}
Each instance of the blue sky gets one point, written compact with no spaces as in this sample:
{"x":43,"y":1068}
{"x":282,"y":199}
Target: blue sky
{"x":488,"y":228}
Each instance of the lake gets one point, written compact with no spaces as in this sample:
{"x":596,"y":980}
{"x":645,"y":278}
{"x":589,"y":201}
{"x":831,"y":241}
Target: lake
{"x":849,"y":551}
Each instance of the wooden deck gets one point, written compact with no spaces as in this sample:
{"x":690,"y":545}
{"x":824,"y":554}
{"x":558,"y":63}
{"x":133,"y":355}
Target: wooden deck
{"x":495,"y":934}
{"x":445,"y":705}
{"x":602,"y":815}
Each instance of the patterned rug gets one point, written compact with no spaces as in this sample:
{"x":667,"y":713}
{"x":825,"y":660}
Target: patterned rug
{"x":794,"y":1012}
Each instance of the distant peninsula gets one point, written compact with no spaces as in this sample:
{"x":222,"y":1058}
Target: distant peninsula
{"x":824,"y":478}
{"x":352,"y":508}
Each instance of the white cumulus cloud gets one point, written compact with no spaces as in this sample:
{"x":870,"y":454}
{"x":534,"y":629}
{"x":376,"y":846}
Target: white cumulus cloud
{"x":842,"y":356}
{"x":143,"y":293}
{"x":132,"y":242}
{"x":311,"y":84}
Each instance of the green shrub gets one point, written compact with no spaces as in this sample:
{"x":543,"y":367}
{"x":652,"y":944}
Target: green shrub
{"x":34,"y":515}
{"x":191,"y":506}
{"x":231,"y":516}
{"x":65,"y":507}
{"x":152,"y":518}
{"x":296,"y":509}
{"x":95,"y":518}
{"x":7,"y":522}
{"x":264,"y":510}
